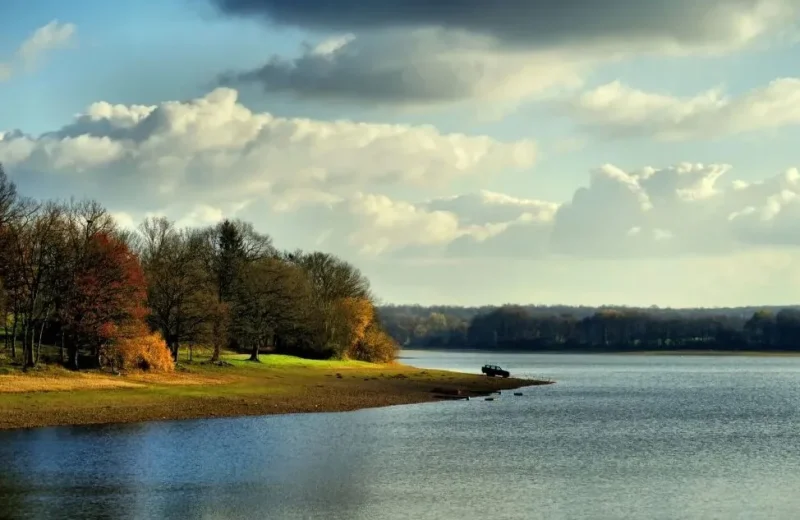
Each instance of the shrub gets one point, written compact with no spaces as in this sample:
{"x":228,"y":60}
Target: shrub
{"x":376,"y":346}
{"x":145,"y":352}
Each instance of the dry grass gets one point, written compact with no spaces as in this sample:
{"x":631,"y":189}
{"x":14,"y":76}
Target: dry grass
{"x":60,"y":383}
{"x":177,"y":379}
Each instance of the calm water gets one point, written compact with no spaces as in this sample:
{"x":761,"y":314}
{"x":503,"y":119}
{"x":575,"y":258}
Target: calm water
{"x":617,"y":437}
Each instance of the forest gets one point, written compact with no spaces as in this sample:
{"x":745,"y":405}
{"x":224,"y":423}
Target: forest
{"x":558,"y":328}
{"x":79,"y":290}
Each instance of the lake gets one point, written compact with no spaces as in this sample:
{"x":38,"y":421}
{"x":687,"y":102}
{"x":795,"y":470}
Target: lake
{"x":619,"y":436}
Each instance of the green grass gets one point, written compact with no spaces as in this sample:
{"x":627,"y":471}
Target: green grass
{"x":269,"y":361}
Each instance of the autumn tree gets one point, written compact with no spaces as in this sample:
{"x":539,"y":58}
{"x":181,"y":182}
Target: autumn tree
{"x":375,"y":346}
{"x":107,"y":299}
{"x":332,"y":280}
{"x":354,"y":316}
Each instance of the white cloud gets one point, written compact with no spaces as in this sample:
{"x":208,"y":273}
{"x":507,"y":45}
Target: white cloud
{"x":383,"y":224}
{"x":216,"y":150}
{"x":55,"y":35}
{"x":681,"y":210}
{"x":487,"y":207}
{"x":615,"y":109}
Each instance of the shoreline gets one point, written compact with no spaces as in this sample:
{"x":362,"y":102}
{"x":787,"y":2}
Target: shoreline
{"x":61,"y":398}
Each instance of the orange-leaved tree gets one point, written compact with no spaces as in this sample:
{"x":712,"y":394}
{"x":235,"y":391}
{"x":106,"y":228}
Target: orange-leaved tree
{"x":143,"y":351}
{"x":375,"y":346}
{"x":356,"y":314}
{"x":106,"y":302}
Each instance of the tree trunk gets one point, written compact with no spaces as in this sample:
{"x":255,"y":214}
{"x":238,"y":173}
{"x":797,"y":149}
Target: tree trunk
{"x":254,"y":353}
{"x":39,"y":343}
{"x":30,"y":337}
{"x":61,"y":349}
{"x":216,"y":332}
{"x":174,"y":346}
{"x":72,"y":362}
{"x":14,"y":337}
{"x":216,"y":328}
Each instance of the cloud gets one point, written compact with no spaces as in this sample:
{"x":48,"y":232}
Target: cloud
{"x":384,"y":224}
{"x":683,"y":210}
{"x":350,"y":186}
{"x":375,"y":224}
{"x":420,"y":53}
{"x":215,"y":150}
{"x":617,"y":110}
{"x":543,"y":23}
{"x":55,"y":35}
{"x":673,"y":210}
{"x":487,"y":207}
{"x":421,"y":67}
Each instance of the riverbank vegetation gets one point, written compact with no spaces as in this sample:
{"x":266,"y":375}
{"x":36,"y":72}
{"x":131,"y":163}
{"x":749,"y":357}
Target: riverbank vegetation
{"x":116,"y":299}
{"x":51,"y":395}
{"x":105,"y":324}
{"x":563,"y":328}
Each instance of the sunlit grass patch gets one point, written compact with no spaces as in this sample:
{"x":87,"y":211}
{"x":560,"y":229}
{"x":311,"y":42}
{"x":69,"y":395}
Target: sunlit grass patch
{"x":283,"y":361}
{"x":52,"y":382}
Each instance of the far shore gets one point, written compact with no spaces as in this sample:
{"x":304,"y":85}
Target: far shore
{"x":279,"y":385}
{"x":688,"y":352}
{"x":718,"y":353}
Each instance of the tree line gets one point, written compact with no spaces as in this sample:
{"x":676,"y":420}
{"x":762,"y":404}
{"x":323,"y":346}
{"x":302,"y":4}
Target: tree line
{"x":542,"y":328}
{"x":102,"y":295}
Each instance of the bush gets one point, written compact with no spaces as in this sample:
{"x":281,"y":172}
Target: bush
{"x":376,"y":346}
{"x":146,"y":352}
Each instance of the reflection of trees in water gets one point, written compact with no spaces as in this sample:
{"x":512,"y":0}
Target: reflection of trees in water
{"x":287,"y":467}
{"x":12,"y":492}
{"x":80,"y":472}
{"x":291,"y":466}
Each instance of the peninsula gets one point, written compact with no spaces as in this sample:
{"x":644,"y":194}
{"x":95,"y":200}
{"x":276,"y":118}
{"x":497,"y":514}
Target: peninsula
{"x":54,"y":396}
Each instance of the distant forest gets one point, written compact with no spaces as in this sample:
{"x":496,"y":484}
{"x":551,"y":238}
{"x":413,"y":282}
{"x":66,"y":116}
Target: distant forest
{"x":560,"y":328}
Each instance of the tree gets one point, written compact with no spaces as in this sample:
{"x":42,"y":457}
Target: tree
{"x":225,"y":249}
{"x":332,"y":280}
{"x":355,"y":316}
{"x":31,"y":273}
{"x":176,"y":293}
{"x":375,"y":346}
{"x":269,"y":301}
{"x":107,"y":300}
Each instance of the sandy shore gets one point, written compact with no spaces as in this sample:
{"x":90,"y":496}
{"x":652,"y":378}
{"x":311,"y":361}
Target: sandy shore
{"x":56,"y":397}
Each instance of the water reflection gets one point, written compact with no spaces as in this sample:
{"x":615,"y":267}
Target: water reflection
{"x":233,"y":468}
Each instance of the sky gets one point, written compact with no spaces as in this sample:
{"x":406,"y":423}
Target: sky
{"x":519,"y":151}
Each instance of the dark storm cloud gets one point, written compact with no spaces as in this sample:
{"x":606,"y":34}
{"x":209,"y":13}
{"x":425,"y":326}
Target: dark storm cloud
{"x":531,"y":22}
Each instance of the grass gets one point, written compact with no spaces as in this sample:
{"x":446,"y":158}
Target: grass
{"x":52,"y":395}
